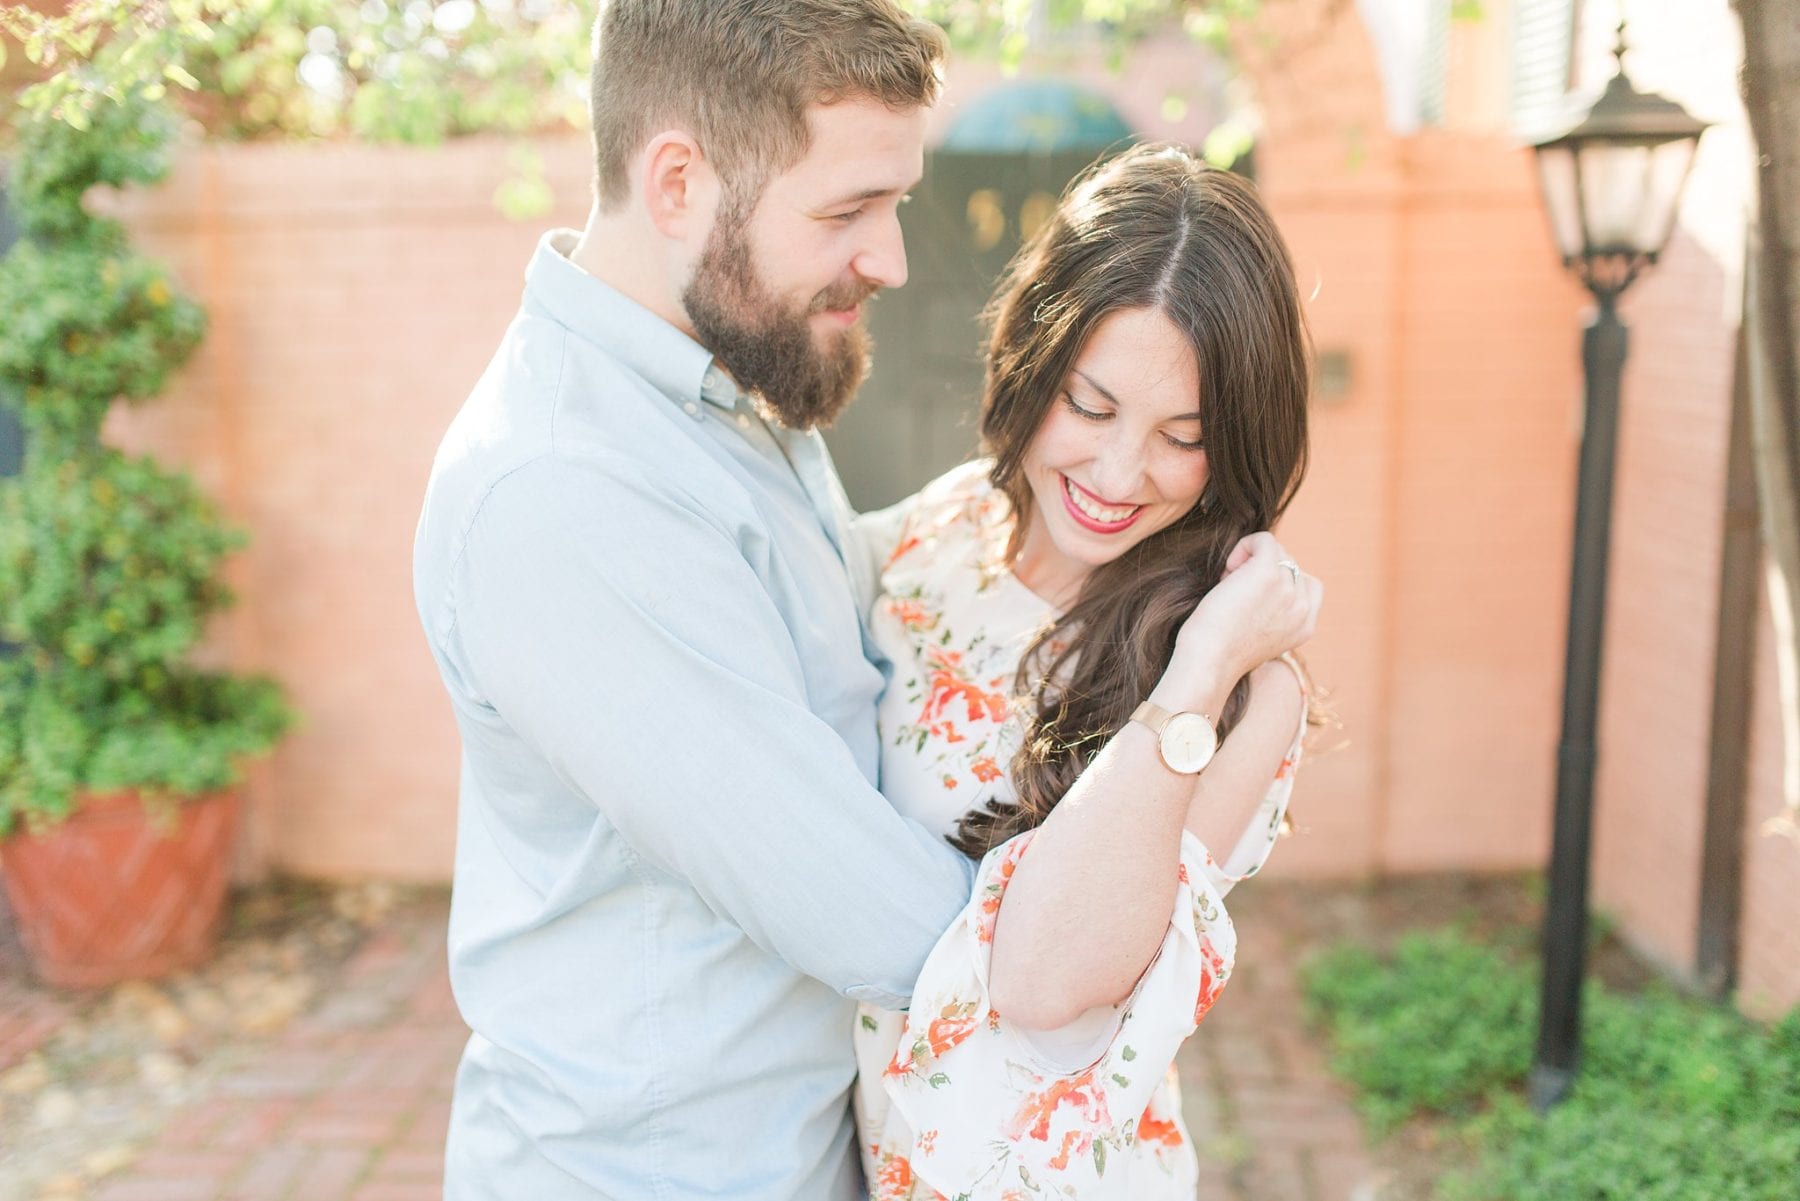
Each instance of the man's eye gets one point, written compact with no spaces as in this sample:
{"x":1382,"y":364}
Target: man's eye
{"x":848,"y":217}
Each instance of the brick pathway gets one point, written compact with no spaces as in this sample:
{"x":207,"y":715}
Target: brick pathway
{"x":350,"y":1101}
{"x":1270,"y":1122}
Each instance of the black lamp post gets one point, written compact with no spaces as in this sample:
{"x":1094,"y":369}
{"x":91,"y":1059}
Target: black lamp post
{"x":1611,"y":182}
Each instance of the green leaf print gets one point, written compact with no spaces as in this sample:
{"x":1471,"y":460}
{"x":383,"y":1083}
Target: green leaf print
{"x":1128,"y":1054}
{"x":868,"y":1023}
{"x":938,"y":1080}
{"x":1123,"y":1083}
{"x":1099,"y":1158}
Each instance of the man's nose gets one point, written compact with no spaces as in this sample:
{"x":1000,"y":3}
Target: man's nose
{"x":883,"y":260}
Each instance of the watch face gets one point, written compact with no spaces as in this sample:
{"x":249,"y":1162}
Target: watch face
{"x":1188,"y":743}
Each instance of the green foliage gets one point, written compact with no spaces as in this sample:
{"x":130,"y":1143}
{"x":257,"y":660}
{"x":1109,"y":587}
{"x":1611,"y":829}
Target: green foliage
{"x":1433,"y":1030}
{"x":1007,"y":29}
{"x":88,"y":322}
{"x":411,"y":71}
{"x":420,"y":71}
{"x":108,"y":564}
{"x":51,"y":171}
{"x":1676,"y":1099}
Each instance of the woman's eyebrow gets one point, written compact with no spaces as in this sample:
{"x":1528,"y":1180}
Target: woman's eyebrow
{"x":1095,"y":385}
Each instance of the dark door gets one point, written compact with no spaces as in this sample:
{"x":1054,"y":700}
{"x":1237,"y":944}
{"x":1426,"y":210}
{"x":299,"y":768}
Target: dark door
{"x":915,"y":417}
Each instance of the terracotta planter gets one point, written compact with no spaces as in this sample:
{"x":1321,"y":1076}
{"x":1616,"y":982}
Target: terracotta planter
{"x":109,"y":896}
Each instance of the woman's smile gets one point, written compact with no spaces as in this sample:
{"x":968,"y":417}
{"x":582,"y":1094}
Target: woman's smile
{"x":1092,"y":513}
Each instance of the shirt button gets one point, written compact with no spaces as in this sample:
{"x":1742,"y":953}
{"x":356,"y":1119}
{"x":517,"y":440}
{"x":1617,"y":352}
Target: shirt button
{"x":692,"y":409}
{"x":743,"y":421}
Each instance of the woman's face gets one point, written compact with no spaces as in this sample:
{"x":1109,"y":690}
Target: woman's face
{"x":1118,"y":455}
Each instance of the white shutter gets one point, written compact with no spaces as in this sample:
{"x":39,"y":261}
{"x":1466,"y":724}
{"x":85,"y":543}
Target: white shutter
{"x":1543,"y":32}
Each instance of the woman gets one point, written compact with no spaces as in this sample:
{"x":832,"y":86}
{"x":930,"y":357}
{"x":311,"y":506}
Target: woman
{"x":1145,"y":410}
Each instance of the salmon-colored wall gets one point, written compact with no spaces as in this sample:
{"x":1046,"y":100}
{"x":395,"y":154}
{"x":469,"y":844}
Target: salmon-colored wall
{"x":356,"y":292}
{"x":1769,"y":937}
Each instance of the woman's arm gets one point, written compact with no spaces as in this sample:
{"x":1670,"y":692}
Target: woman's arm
{"x":1228,"y":793}
{"x":1087,"y":906}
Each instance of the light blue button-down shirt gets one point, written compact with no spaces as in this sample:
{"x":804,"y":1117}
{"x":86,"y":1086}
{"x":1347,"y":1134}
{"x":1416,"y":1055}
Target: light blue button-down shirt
{"x":674,"y":874}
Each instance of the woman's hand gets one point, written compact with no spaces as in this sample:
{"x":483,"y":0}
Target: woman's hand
{"x":1260,"y":609}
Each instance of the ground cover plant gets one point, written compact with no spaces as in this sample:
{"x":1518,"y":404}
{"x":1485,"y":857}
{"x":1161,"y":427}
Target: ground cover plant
{"x":1678,"y":1100}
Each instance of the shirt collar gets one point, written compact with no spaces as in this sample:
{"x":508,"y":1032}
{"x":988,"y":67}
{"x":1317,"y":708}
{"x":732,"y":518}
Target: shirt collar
{"x":673,"y":363}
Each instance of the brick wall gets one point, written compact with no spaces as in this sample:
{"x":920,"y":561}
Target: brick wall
{"x":355,"y":295}
{"x":356,"y":292}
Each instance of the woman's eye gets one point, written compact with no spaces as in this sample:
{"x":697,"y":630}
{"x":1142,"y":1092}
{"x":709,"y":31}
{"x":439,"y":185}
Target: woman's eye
{"x":1090,"y":414}
{"x":1184,"y":444}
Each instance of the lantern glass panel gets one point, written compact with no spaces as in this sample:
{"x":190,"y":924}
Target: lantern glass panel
{"x":1615,"y":191}
{"x":1669,"y":165}
{"x":1556,"y":174}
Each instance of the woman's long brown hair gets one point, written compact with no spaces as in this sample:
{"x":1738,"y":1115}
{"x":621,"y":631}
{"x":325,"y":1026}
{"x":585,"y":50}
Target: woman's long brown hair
{"x":1153,"y":228}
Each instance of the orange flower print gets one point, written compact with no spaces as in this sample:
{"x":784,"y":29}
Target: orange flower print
{"x":1074,"y":1142}
{"x":895,"y":1181}
{"x":947,"y":685}
{"x":911,"y":614}
{"x":1287,"y":767}
{"x":1033,"y":1117}
{"x":1212,"y":980}
{"x":925,"y":1142}
{"x":1182,"y":875}
{"x":985,"y":770}
{"x":900,"y":552}
{"x":953,"y":1024}
{"x":1152,"y":1129}
{"x":991,"y":894}
{"x":949,"y":781}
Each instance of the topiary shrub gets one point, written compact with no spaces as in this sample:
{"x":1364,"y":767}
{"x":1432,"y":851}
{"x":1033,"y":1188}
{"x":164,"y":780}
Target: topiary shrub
{"x":109,"y":563}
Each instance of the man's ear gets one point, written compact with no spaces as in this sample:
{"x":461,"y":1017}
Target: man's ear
{"x":680,"y":189}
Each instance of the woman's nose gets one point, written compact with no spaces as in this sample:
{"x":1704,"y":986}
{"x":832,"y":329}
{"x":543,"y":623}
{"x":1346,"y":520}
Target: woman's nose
{"x":1118,"y":466}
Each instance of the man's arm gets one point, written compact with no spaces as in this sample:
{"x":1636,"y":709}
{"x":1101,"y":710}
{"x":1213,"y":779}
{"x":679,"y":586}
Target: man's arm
{"x":625,"y":636}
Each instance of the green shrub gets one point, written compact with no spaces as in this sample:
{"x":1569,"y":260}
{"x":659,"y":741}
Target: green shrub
{"x":108,"y":563}
{"x":1677,"y":1100}
{"x":1431,"y":1031}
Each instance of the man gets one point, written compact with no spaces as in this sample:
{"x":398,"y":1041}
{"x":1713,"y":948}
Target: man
{"x":674,"y":875}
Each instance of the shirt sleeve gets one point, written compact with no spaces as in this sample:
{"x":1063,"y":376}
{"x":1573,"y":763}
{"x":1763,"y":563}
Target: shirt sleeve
{"x":981,"y":1100}
{"x":628,"y":638}
{"x":873,"y":537}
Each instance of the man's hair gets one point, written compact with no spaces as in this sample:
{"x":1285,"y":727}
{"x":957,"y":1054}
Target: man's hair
{"x":740,"y":74}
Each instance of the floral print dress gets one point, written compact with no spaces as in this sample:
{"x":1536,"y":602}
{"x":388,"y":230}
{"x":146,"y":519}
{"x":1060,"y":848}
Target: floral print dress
{"x":952,"y":1100}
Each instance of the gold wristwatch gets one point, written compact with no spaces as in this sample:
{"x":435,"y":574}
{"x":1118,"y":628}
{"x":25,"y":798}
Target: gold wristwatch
{"x":1186,"y":740}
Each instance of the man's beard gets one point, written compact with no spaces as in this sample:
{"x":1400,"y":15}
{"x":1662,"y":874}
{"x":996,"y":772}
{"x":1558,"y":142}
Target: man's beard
{"x":769,"y":349}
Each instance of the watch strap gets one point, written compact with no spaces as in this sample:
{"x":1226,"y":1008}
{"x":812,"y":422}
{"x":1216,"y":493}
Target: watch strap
{"x":1153,"y":715}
